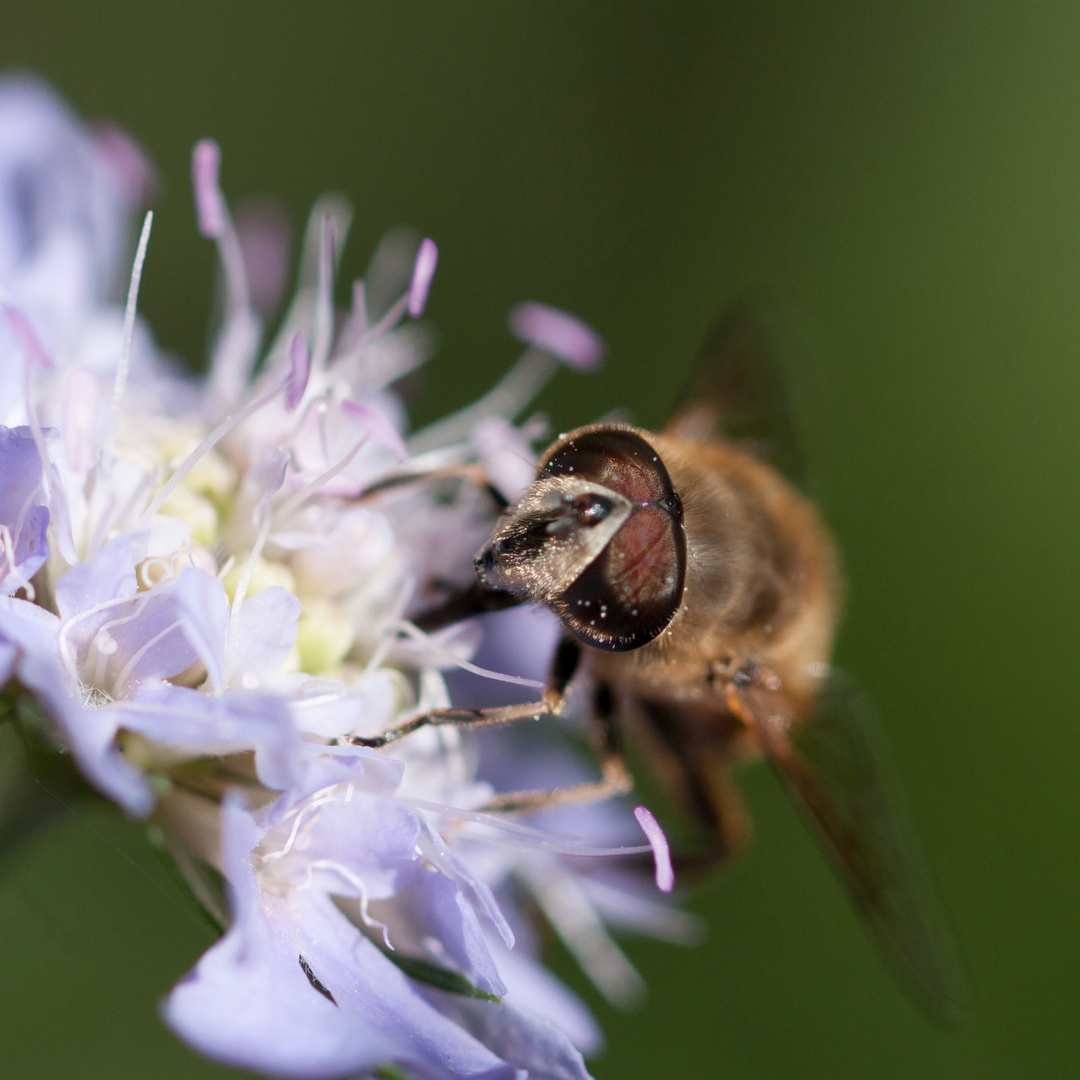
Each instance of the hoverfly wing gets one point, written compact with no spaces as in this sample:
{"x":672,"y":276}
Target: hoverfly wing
{"x":737,"y":392}
{"x":838,"y":772}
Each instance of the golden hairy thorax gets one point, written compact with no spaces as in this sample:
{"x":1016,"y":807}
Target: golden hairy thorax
{"x":761,"y":584}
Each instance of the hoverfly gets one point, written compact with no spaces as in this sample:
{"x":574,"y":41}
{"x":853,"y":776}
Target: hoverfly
{"x":701,"y":591}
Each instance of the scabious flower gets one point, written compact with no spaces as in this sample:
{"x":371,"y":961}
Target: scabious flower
{"x":207,"y":586}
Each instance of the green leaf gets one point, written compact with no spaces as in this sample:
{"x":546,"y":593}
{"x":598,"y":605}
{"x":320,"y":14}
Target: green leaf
{"x":37,"y":787}
{"x":441,"y":978}
{"x":391,"y":1072}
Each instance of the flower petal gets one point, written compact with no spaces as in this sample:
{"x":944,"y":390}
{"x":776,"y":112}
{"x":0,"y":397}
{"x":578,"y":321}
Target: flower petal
{"x":204,"y":611}
{"x":261,"y":636}
{"x":21,"y":513}
{"x":187,"y":720}
{"x":532,"y":1044}
{"x":110,"y":575}
{"x":250,"y":1003}
{"x":476,"y":891}
{"x":90,"y":734}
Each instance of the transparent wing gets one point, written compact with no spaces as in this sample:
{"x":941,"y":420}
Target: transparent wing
{"x":837,"y":770}
{"x":736,"y":391}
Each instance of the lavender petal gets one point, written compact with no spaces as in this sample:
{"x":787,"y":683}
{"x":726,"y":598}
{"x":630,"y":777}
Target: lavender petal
{"x":25,"y":518}
{"x":249,"y":1002}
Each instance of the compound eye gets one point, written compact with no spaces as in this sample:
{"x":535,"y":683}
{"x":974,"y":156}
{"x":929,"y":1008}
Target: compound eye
{"x":632,"y":590}
{"x":628,"y":594}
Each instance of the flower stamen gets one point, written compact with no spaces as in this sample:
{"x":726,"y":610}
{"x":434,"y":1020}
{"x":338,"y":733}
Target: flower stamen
{"x":291,"y":503}
{"x":357,"y":883}
{"x":67,"y":655}
{"x":665,"y":874}
{"x":298,"y":818}
{"x":128,"y":338}
{"x":210,"y":441}
{"x":413,"y":631}
{"x":581,"y":930}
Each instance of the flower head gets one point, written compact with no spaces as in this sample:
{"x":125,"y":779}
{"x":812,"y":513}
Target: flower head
{"x":209,"y":585}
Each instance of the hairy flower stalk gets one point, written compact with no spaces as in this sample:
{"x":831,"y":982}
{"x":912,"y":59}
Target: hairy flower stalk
{"x":209,"y":584}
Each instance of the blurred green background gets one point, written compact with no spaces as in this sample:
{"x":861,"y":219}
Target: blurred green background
{"x":902,"y":183}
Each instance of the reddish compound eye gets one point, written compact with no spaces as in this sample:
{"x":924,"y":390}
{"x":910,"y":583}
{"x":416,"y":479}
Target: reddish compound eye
{"x":598,"y":538}
{"x":629,"y":593}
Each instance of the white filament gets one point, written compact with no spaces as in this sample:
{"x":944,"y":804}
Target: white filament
{"x":446,"y":654}
{"x":207,"y":444}
{"x":127,"y":341}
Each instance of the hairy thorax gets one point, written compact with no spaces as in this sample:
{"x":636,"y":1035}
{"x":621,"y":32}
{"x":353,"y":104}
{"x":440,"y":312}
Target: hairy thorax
{"x":761,"y":585}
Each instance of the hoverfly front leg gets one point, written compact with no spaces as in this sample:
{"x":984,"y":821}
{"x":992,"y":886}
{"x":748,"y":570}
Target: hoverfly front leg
{"x":551,"y":703}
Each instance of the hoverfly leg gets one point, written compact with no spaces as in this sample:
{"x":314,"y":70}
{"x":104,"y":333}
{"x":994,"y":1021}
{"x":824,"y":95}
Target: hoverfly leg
{"x":551,"y":703}
{"x":697,"y":777}
{"x":607,"y":741}
{"x":463,"y":718}
{"x":564,"y":665}
{"x":614,"y":779}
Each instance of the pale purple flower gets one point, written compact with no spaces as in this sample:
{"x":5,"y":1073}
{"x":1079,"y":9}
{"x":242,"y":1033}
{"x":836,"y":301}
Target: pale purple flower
{"x":207,"y":586}
{"x":23,"y":517}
